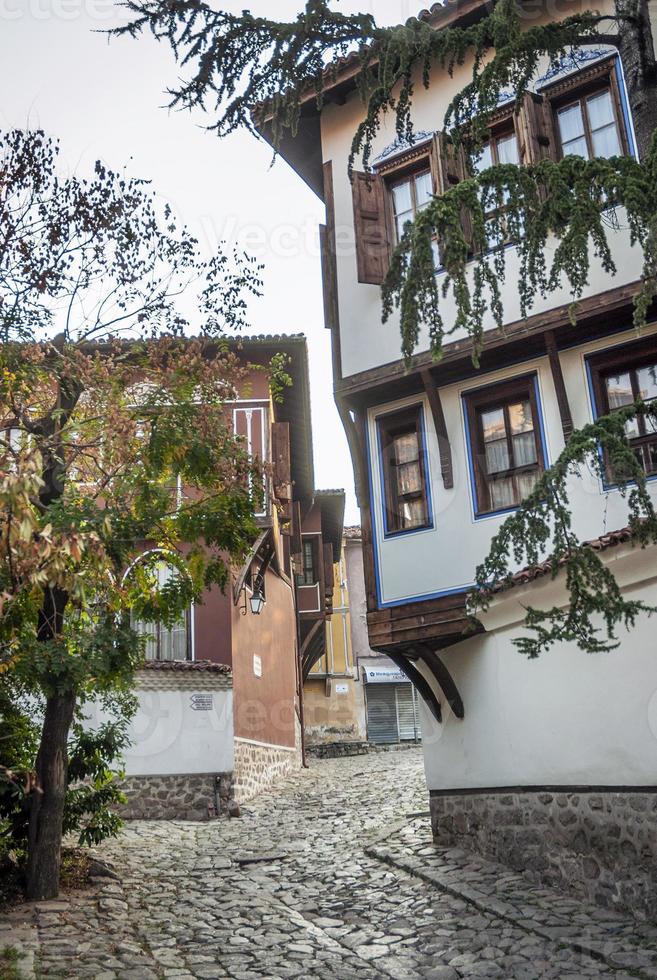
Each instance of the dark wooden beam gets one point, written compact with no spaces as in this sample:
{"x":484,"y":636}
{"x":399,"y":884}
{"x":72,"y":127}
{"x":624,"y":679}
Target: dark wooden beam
{"x":356,"y":451}
{"x":444,"y":448}
{"x":246,"y":567}
{"x":444,"y":679}
{"x":559,"y":385}
{"x":365,"y":504}
{"x":307,"y":661}
{"x":594,"y":308}
{"x":328,"y":254}
{"x":419,"y":682}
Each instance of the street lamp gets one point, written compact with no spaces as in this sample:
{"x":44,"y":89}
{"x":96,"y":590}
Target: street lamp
{"x":257,"y":603}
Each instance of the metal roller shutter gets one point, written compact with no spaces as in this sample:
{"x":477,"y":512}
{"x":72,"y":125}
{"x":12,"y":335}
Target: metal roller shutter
{"x":407,"y":716}
{"x":382,"y":714}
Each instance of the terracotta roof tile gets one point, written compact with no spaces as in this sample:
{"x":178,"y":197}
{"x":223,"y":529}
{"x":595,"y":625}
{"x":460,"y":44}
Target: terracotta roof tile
{"x":526,"y":575}
{"x":186,"y":666}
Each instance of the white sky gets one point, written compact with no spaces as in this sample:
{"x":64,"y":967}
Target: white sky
{"x":105,"y":100}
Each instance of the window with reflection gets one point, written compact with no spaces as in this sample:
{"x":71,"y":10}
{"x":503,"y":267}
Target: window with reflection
{"x":501,"y":148}
{"x":622,"y":377}
{"x":409,"y":196}
{"x":165,"y":641}
{"x":589,"y":127}
{"x":308,"y":575}
{"x":506,"y":443}
{"x":404,"y":470}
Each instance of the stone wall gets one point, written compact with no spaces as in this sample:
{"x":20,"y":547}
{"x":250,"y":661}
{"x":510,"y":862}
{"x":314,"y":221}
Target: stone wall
{"x":258,"y":766}
{"x":181,"y":797}
{"x":601,"y":845}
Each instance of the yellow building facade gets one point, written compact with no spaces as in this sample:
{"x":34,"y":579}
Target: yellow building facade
{"x":333,"y":695}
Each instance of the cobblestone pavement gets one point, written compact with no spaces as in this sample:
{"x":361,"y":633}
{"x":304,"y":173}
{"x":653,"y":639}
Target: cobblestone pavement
{"x":332,"y":876}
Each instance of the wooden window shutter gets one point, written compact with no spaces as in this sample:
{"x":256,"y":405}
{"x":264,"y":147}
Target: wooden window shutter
{"x":449,"y":167}
{"x":328,"y":573}
{"x":296,"y":544}
{"x":535,"y":128}
{"x":372,"y":243}
{"x":282,"y":469}
{"x":327,"y":246}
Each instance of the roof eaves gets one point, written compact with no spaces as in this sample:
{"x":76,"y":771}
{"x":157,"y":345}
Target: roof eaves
{"x":613,"y":539}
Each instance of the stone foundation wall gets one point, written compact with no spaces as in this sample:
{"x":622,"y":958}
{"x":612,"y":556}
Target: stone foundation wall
{"x":257,"y":767}
{"x":188,"y":797}
{"x":601,"y":845}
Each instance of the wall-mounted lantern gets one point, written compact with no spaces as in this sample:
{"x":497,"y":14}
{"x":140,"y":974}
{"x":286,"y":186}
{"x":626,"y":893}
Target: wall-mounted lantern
{"x":257,"y":603}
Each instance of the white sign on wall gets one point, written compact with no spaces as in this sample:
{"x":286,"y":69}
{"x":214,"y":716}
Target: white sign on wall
{"x":342,"y":689}
{"x":201,"y":702}
{"x":257,"y":665}
{"x":384,"y":675}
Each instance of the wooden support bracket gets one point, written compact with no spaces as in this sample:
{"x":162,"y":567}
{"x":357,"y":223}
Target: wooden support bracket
{"x":443,"y":677}
{"x":446,"y":466}
{"x":559,"y":385}
{"x":419,"y":682}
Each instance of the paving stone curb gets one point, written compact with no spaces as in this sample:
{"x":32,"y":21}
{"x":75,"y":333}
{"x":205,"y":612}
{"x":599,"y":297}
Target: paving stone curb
{"x":618,"y":942}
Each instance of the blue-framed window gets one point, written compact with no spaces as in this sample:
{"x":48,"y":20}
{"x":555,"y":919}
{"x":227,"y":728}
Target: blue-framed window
{"x":506,"y":443}
{"x":404,"y":469}
{"x":618,"y":377}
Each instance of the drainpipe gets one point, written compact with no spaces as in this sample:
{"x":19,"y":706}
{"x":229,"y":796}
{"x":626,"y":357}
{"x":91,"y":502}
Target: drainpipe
{"x":299,"y":667}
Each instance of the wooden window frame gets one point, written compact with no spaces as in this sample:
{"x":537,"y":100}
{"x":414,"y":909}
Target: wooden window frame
{"x":576,"y":88}
{"x":500,"y":395}
{"x":403,"y":168}
{"x":502,"y":125}
{"x":301,"y":578}
{"x":389,"y":425}
{"x":626,"y":358}
{"x":160,"y":627}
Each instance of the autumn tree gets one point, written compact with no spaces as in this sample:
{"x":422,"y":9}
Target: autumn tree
{"x":114,"y":437}
{"x":243,"y":69}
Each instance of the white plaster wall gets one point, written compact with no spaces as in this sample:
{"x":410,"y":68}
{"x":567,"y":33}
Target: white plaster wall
{"x":444,"y":558}
{"x":366,"y":342}
{"x":568,"y":718}
{"x":169,"y":737}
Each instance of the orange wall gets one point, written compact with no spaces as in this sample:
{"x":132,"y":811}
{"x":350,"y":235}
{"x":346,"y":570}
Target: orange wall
{"x":264,"y":707}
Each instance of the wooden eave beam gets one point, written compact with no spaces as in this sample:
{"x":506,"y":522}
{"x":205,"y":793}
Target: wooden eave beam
{"x":307,"y":662}
{"x":444,"y":679}
{"x":419,"y":682}
{"x":559,"y":385}
{"x":444,"y":448}
{"x":363,"y":385}
{"x":246,"y":567}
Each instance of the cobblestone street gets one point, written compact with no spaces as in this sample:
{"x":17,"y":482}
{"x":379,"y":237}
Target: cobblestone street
{"x":332,"y":876}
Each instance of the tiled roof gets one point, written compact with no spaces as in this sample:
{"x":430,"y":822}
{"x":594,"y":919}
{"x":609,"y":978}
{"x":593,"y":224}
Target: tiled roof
{"x":611,"y":540}
{"x":354,"y":532}
{"x":267,"y":338}
{"x":186,"y":666}
{"x":437,"y":10}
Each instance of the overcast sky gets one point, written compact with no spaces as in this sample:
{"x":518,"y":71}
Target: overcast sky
{"x":106,"y":100}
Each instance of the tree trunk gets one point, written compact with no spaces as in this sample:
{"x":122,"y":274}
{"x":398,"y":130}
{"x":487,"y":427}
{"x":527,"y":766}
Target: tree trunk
{"x":637,"y":53}
{"x":44,"y":847}
{"x":47,"y":802}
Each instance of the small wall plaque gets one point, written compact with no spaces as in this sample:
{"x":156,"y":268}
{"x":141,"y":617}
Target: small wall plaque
{"x":201,"y":702}
{"x":342,"y":689}
{"x":257,"y":665}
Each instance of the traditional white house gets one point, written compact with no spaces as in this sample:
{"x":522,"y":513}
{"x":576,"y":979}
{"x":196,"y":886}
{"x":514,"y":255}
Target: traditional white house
{"x":550,"y":765}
